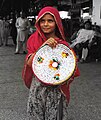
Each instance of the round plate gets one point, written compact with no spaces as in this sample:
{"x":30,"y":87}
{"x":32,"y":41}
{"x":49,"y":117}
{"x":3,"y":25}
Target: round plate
{"x":54,"y":66}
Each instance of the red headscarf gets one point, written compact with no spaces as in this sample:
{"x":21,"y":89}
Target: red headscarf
{"x":54,"y":12}
{"x":37,"y":39}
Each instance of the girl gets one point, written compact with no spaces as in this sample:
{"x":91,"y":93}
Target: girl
{"x":46,"y":102}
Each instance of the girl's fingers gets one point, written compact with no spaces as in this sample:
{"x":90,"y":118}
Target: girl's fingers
{"x":51,"y":42}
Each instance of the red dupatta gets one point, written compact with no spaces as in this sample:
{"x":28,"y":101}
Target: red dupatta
{"x":37,"y":39}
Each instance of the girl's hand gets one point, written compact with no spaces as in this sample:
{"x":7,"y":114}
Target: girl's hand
{"x":51,"y":42}
{"x":29,"y":61}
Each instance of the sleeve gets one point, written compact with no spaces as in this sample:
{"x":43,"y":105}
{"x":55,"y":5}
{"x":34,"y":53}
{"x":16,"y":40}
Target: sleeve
{"x":27,"y":73}
{"x":30,"y":46}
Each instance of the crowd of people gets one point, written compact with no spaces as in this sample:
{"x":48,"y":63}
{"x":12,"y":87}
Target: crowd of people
{"x":4,"y":30}
{"x":17,"y":27}
{"x":85,"y":40}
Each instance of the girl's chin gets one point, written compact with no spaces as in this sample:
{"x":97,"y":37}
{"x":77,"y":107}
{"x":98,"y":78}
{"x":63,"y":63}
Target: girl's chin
{"x":46,"y":32}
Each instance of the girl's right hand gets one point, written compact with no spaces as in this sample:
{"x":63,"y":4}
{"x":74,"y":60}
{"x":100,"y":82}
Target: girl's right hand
{"x":51,"y":42}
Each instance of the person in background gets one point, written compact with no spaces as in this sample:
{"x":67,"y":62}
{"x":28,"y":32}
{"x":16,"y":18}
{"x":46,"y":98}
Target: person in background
{"x":46,"y":102}
{"x":6,"y":29}
{"x":13,"y":30}
{"x":1,"y":31}
{"x":95,"y":47}
{"x":83,"y":40}
{"x":22,"y":25}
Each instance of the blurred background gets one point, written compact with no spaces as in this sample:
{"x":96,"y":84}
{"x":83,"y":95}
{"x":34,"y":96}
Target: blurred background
{"x":72,"y":12}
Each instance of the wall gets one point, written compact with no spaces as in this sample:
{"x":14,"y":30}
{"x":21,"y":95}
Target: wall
{"x":96,"y":13}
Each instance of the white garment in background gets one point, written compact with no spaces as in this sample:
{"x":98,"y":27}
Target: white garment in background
{"x":22,"y":25}
{"x":82,"y":36}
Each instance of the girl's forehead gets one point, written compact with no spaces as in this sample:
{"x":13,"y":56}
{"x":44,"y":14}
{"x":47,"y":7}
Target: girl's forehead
{"x":47,"y":15}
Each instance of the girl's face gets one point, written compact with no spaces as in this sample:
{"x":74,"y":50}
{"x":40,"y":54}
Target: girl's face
{"x":48,"y":25}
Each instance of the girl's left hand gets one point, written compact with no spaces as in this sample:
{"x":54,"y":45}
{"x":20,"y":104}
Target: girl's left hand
{"x":29,"y":61}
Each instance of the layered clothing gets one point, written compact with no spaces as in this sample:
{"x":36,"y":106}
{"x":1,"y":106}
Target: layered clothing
{"x":46,"y":102}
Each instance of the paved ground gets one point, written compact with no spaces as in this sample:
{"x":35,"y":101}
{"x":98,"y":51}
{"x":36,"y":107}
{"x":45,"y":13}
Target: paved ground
{"x":13,"y":93}
{"x":85,"y":101}
{"x":86,"y":93}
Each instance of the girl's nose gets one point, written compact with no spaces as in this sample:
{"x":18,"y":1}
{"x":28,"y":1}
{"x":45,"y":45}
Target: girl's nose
{"x":46,"y":22}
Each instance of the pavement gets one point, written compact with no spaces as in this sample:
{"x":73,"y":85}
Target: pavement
{"x":85,"y":103}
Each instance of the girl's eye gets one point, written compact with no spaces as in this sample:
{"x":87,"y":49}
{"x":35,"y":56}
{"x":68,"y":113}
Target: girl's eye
{"x":50,"y":20}
{"x":42,"y":21}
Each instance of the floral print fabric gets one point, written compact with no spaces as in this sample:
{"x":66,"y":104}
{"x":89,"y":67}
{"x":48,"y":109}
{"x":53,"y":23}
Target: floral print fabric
{"x":44,"y":102}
